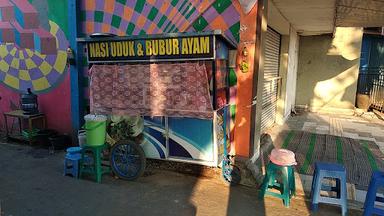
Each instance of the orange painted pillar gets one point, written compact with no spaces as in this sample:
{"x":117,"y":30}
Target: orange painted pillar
{"x":242,"y":127}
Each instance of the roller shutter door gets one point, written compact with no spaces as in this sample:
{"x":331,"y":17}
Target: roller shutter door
{"x":271,"y":79}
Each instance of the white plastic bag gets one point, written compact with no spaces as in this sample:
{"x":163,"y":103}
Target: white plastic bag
{"x":82,"y":137}
{"x":94,"y":117}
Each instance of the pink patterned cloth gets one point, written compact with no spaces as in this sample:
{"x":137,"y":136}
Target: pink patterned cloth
{"x":167,"y":89}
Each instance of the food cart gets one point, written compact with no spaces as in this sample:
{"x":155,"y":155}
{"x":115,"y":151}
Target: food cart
{"x":177,"y":87}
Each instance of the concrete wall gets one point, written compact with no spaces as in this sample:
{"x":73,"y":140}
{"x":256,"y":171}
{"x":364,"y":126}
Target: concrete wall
{"x":276,"y":20}
{"x":55,"y":105}
{"x":288,"y":72}
{"x":328,"y":70}
{"x":293,"y":56}
{"x":288,"y":62}
{"x":37,"y":60}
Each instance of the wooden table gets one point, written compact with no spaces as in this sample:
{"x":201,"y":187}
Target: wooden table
{"x":21,"y":116}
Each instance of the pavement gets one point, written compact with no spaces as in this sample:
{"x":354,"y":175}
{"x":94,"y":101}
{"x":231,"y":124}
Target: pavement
{"x":32,"y":184}
{"x":358,"y":124}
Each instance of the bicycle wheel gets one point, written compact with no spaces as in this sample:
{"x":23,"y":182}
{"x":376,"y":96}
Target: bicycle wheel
{"x":127,"y":160}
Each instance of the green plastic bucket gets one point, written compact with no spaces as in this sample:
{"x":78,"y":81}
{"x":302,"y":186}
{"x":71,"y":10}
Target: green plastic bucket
{"x":95,"y":126}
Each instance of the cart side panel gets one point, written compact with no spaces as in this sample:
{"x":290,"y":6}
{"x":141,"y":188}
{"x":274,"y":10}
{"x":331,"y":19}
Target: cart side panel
{"x":222,"y":92}
{"x":191,"y":138}
{"x":222,"y":89}
{"x":220,"y":133}
{"x":222,"y":51}
{"x":154,"y":144}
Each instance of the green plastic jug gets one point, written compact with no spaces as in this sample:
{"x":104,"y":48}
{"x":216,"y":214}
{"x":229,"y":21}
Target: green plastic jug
{"x":95,"y":126}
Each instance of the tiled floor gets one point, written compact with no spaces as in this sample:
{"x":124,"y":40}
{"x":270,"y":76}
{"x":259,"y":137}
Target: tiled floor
{"x":364,"y":126}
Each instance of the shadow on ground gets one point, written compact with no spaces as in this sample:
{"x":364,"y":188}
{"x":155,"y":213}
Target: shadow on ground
{"x":35,"y":186}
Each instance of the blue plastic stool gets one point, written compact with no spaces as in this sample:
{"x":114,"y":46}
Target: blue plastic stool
{"x":74,"y":150}
{"x":329,"y":170}
{"x":71,"y":164}
{"x":377,"y":181}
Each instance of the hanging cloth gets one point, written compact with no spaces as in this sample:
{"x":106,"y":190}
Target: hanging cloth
{"x":166,"y":89}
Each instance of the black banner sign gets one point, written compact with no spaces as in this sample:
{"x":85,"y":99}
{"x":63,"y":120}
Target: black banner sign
{"x":150,"y":49}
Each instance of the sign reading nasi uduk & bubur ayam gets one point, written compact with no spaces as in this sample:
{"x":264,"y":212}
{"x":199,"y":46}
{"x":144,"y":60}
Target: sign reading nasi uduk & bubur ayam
{"x":148,"y":49}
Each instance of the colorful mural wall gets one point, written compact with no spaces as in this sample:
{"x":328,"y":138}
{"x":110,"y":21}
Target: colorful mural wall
{"x":33,"y":43}
{"x":140,"y":17}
